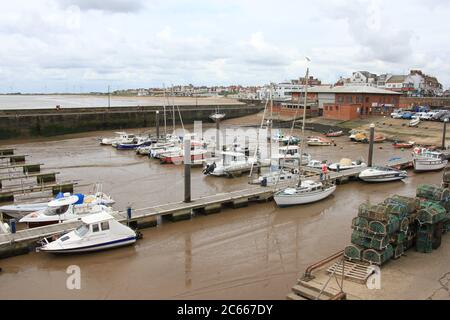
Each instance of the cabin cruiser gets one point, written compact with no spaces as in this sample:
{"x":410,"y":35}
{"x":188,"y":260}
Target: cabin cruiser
{"x":382,"y":174}
{"x":198,"y":152}
{"x":346,"y":164}
{"x":69,"y":207}
{"x":18,"y":211}
{"x":318,"y":141}
{"x":316,"y":164}
{"x":291,"y":153}
{"x":134,"y":144}
{"x":98,"y":231}
{"x":427,"y":160}
{"x":230,"y":163}
{"x":307,"y":192}
{"x":121,"y":137}
{"x":274,"y":177}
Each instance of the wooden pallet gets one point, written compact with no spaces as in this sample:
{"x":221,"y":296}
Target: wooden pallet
{"x":353,"y":271}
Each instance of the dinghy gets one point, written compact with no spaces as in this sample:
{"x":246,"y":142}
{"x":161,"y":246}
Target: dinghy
{"x":403,"y":145}
{"x":382,"y":174}
{"x":334,"y":133}
{"x":99,"y":231}
{"x":414,"y":122}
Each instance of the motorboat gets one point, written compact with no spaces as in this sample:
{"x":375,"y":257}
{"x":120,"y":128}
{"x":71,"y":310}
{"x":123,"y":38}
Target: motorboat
{"x":382,"y":174}
{"x":169,"y":142}
{"x":347,"y":164}
{"x":69,"y":207}
{"x":290,"y":154}
{"x":331,"y":133}
{"x":274,"y":177}
{"x":198,"y":152}
{"x":217,"y":116}
{"x":231,"y":162}
{"x":403,"y":145}
{"x":427,"y":160}
{"x":121,"y":137}
{"x":134,"y":144}
{"x":414,"y":122}
{"x":98,"y":231}
{"x":18,"y":211}
{"x":307,"y":192}
{"x":316,"y":164}
{"x":318,"y":141}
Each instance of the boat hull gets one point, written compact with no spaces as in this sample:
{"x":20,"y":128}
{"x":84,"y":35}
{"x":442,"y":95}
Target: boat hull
{"x":93,"y":247}
{"x":283,"y":200}
{"x":383,"y":178}
{"x":421,"y":165}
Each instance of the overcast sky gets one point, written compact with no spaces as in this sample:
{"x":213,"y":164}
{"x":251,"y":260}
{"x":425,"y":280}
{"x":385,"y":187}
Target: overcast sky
{"x":84,"y":45}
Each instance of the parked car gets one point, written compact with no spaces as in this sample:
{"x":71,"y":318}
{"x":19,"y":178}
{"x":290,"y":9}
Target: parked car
{"x":407,"y":115}
{"x":438,"y":115}
{"x":396,"y":115}
{"x":427,"y":116}
{"x":446,"y":115}
{"x":418,"y":115}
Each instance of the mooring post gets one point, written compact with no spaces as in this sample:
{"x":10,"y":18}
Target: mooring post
{"x":157,"y":124}
{"x":128,"y":215}
{"x":444,"y":134}
{"x":372,"y":137}
{"x":187,"y":170}
{"x":12,"y":225}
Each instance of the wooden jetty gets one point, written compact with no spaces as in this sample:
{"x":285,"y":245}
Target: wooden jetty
{"x":147,"y":217}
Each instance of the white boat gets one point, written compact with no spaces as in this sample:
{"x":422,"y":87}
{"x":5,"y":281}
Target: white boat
{"x":347,"y":164}
{"x":289,"y":154}
{"x":274,"y":177}
{"x":69,"y":207}
{"x":217,"y":116}
{"x":308,"y":192}
{"x":121,"y":137}
{"x":427,"y":160}
{"x":382,"y":174}
{"x":18,"y":211}
{"x":414,"y":122}
{"x":316,"y":164}
{"x":134,"y":144}
{"x":318,"y":141}
{"x":99,"y":231}
{"x":231,"y":162}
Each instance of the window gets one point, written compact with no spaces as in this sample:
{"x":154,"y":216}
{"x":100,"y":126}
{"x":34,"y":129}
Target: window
{"x":340,"y":99}
{"x":105,"y":225}
{"x":95,"y":228}
{"x":82,"y":230}
{"x":367,"y":99}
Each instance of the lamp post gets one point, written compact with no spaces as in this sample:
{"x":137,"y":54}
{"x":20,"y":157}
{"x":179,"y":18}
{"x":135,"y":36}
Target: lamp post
{"x":444,"y":134}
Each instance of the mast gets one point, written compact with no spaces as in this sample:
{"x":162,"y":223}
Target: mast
{"x":173,"y":110}
{"x":303,"y":125}
{"x":270,"y":126}
{"x":165,"y":119}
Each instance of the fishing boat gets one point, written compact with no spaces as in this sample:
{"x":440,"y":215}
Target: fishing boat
{"x":427,"y":160}
{"x":98,"y":231}
{"x":331,"y":133}
{"x":382,"y":174}
{"x":403,"y":145}
{"x":69,"y":207}
{"x":414,"y":122}
{"x":318,"y":141}
{"x":121,"y":137}
{"x":347,"y":164}
{"x":134,"y":144}
{"x":306,"y":191}
{"x":18,"y":211}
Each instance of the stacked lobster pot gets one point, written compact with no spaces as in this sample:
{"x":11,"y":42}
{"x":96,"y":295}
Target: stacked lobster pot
{"x":432,"y":218}
{"x":379,"y":232}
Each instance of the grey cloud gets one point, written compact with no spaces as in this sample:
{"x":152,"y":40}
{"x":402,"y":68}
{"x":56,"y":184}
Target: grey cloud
{"x":115,"y":6}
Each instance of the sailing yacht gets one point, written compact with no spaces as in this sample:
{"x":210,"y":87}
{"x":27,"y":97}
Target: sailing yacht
{"x":306,"y":191}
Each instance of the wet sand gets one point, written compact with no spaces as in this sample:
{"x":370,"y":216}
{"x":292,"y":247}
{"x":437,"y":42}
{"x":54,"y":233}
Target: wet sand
{"x":250,"y":253}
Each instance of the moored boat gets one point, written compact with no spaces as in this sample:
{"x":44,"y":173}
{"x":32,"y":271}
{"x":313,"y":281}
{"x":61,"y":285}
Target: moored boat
{"x":427,"y":160}
{"x":307,"y":192}
{"x":403,"y":145}
{"x":318,"y":141}
{"x":347,"y":164}
{"x":98,"y":231}
{"x":382,"y":174}
{"x":334,"y":133}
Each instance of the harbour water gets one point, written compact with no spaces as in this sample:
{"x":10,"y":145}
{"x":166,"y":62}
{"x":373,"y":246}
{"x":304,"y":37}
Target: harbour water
{"x":256,"y":252}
